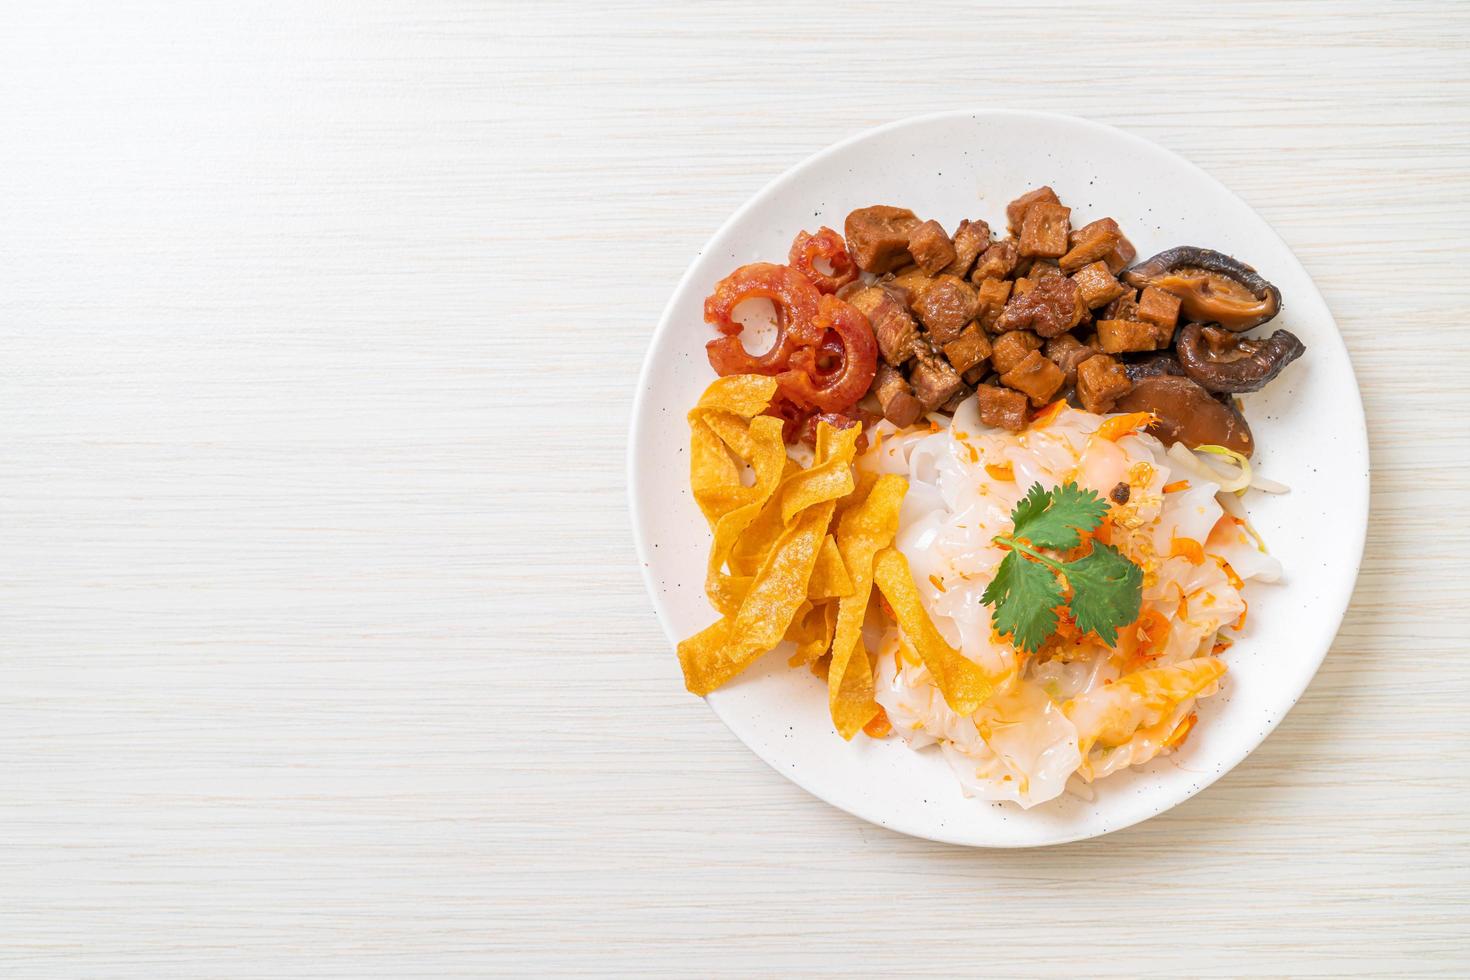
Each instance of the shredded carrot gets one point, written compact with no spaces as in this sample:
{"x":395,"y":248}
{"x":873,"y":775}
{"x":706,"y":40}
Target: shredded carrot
{"x":935,"y":581}
{"x":1176,"y":486}
{"x":1000,"y":471}
{"x":1119,"y":426}
{"x":1049,"y":414}
{"x":933,"y":426}
{"x":1239,"y":624}
{"x":1230,"y":573}
{"x":887,"y":609}
{"x":1224,"y":644}
{"x":1103,"y":532}
{"x":1181,"y":731}
{"x":1153,"y":633}
{"x":879,"y":726}
{"x":1187,"y":548}
{"x":974,"y":453}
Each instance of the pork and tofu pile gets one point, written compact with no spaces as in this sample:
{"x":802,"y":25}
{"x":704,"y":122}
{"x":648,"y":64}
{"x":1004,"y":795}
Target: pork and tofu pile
{"x":1044,"y":313}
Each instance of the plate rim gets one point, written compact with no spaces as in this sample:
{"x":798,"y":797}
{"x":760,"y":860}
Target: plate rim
{"x":1339,"y":604}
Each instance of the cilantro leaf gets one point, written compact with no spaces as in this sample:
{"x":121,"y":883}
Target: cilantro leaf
{"x":1107,"y":591}
{"x":1051,"y":519}
{"x":1024,"y":595}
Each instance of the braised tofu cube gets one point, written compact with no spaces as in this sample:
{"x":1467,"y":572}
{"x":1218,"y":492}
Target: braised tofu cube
{"x":1051,"y":306}
{"x":1159,"y":308}
{"x":1122,"y":254}
{"x":910,"y":282}
{"x":1016,"y":210}
{"x":997,"y":262}
{"x":1091,"y":243}
{"x":1119,"y":336}
{"x":970,"y":239}
{"x":993,"y":294}
{"x":1044,"y":230}
{"x":1010,"y":349}
{"x":946,"y":307}
{"x":933,"y":379}
{"x":969,"y":350}
{"x":878,"y":237}
{"x":1066,"y":352}
{"x":895,"y":397}
{"x":930,"y":246}
{"x":1001,"y":407}
{"x":1097,"y":285}
{"x":892,"y":325}
{"x":1036,"y":377}
{"x":1101,"y":381}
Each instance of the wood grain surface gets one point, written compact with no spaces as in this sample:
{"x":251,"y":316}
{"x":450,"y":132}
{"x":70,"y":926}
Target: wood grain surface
{"x":323,"y":648}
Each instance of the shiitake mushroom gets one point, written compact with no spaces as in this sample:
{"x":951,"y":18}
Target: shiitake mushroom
{"x":1212,"y":287}
{"x":1226,"y":362}
{"x":1188,"y":413}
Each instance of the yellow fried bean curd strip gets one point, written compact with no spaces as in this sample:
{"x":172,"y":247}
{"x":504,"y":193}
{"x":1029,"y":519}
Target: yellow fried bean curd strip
{"x":779,"y":586}
{"x":768,"y":456}
{"x":965,"y":684}
{"x":830,"y":579}
{"x":864,"y":529}
{"x":714,"y":476}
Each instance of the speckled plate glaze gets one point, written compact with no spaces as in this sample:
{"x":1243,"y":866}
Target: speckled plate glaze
{"x":1309,"y":429}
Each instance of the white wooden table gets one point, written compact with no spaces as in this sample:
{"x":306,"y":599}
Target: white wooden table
{"x":323,"y":649}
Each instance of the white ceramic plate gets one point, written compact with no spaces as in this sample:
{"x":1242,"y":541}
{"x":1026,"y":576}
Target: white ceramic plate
{"x":1308,"y":424}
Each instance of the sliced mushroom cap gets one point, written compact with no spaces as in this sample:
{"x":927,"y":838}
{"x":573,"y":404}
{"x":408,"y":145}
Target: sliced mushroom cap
{"x":1188,"y":413}
{"x":1224,"y":361}
{"x":1153,"y":365}
{"x":1212,"y":287}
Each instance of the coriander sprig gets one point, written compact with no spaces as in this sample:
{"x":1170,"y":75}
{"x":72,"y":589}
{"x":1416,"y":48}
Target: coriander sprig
{"x":1030,"y":585}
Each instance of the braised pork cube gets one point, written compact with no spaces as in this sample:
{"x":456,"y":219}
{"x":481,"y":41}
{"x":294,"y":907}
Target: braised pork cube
{"x":892,"y":325}
{"x":1051,"y":307}
{"x":1010,"y":349}
{"x":1120,"y":336}
{"x":930,"y":246}
{"x":1101,"y":381}
{"x":1098,"y":286}
{"x":1159,"y":308}
{"x":996,"y":262}
{"x":895,"y":397}
{"x":878,"y":237}
{"x":972,"y":377}
{"x":970,"y":239}
{"x":1016,"y":210}
{"x":1036,"y":376}
{"x":1002,"y":407}
{"x":1066,"y":352}
{"x":969,"y":350}
{"x":946,"y":307}
{"x":1044,"y":230}
{"x":933,"y":379}
{"x":1125,"y":307}
{"x":955,"y":400}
